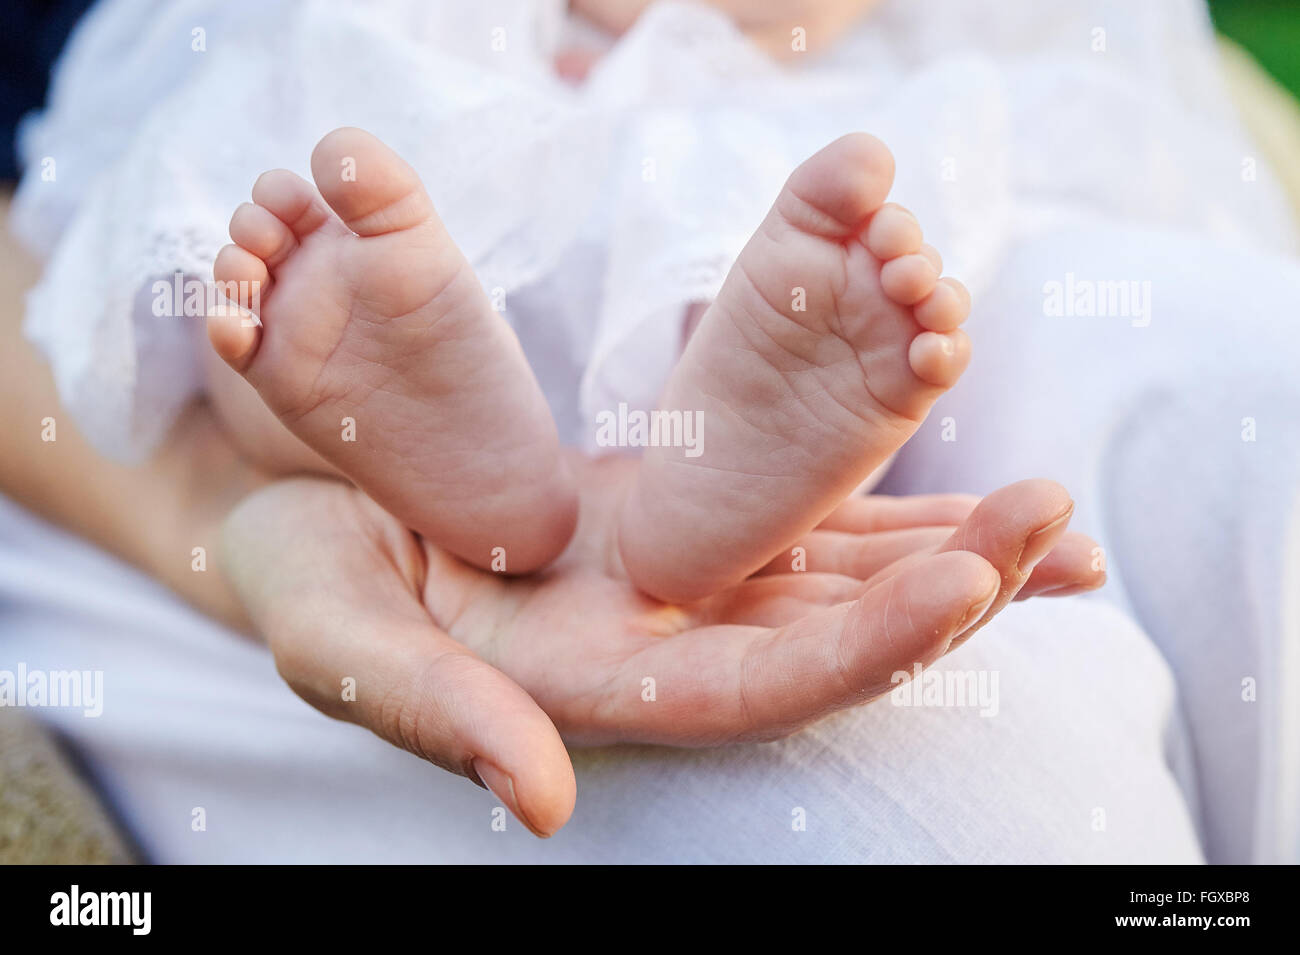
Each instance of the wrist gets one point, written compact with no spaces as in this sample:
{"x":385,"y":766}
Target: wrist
{"x":203,"y":480}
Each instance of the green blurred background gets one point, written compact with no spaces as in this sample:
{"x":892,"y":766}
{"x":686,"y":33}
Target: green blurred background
{"x":1269,"y":29}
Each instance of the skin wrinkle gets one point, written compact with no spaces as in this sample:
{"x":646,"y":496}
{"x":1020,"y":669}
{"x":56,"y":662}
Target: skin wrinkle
{"x":287,"y":241}
{"x":818,"y":215}
{"x":697,"y":463}
{"x":406,"y":723}
{"x":842,"y":668}
{"x":356,"y":313}
{"x":361,"y":304}
{"x":606,"y":698}
{"x":489,"y":606}
{"x":867,"y":416}
{"x":906,"y":605}
{"x":756,"y":324}
{"x":607,"y":695}
{"x":780,"y":249}
{"x":748,"y":662}
{"x":380,"y":215}
{"x":837,"y":281}
{"x":450,"y":286}
{"x":866,"y":383}
{"x":868,"y":412}
{"x":838,"y":285}
{"x":314,"y":388}
{"x":313,"y":206}
{"x":380,"y":545}
{"x":886,"y":618}
{"x":475,"y":488}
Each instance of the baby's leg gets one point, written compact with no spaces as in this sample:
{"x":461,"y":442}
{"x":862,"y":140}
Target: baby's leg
{"x":253,"y":428}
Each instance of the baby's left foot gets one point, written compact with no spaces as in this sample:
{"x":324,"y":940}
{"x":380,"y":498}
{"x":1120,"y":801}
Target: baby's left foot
{"x":380,"y":350}
{"x":829,"y":341}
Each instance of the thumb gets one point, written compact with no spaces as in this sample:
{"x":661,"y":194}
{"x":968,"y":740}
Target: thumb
{"x":328,"y":580}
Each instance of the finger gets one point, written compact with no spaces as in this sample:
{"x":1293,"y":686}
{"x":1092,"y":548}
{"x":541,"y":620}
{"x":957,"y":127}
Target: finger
{"x":1076,"y":565}
{"x":880,"y":512}
{"x":337,"y":605}
{"x":1014,"y":529}
{"x":739,"y":683}
{"x":1073,"y":566}
{"x":858,"y":555}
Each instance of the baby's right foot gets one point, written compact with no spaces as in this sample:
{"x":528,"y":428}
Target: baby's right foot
{"x":379,"y":349}
{"x":828,"y":343}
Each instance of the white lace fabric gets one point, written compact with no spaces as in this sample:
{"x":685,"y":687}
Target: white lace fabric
{"x":1003,"y":119}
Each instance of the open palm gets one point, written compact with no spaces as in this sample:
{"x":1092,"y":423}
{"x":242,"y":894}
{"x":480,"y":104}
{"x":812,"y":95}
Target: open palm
{"x":481,"y":673}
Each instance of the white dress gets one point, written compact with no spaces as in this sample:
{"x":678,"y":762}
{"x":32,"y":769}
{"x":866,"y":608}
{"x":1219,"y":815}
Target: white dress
{"x":1035,"y":141}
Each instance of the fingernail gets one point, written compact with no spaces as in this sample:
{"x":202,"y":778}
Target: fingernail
{"x":471,"y":773}
{"x":974,"y":612}
{"x":503,"y":787}
{"x":1069,"y":590}
{"x":1039,"y":543}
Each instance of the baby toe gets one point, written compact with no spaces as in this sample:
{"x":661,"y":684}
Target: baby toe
{"x":234,"y":334}
{"x":238,"y":268}
{"x":240,"y":273}
{"x":234,"y":329}
{"x":893,"y":231}
{"x":368,"y":185}
{"x":262,"y":233}
{"x":908,"y":278}
{"x":931,"y":253}
{"x":291,"y":199}
{"x":939,"y":358}
{"x":944,"y":308}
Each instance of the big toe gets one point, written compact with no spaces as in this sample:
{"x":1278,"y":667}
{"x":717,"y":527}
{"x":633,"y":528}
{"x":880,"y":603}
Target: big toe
{"x":371,"y":188}
{"x":836,"y":191}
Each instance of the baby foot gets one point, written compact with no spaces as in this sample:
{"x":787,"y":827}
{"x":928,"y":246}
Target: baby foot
{"x":378,"y":348}
{"x":829,"y":341}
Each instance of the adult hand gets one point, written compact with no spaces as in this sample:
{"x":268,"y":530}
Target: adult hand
{"x":483,"y":674}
